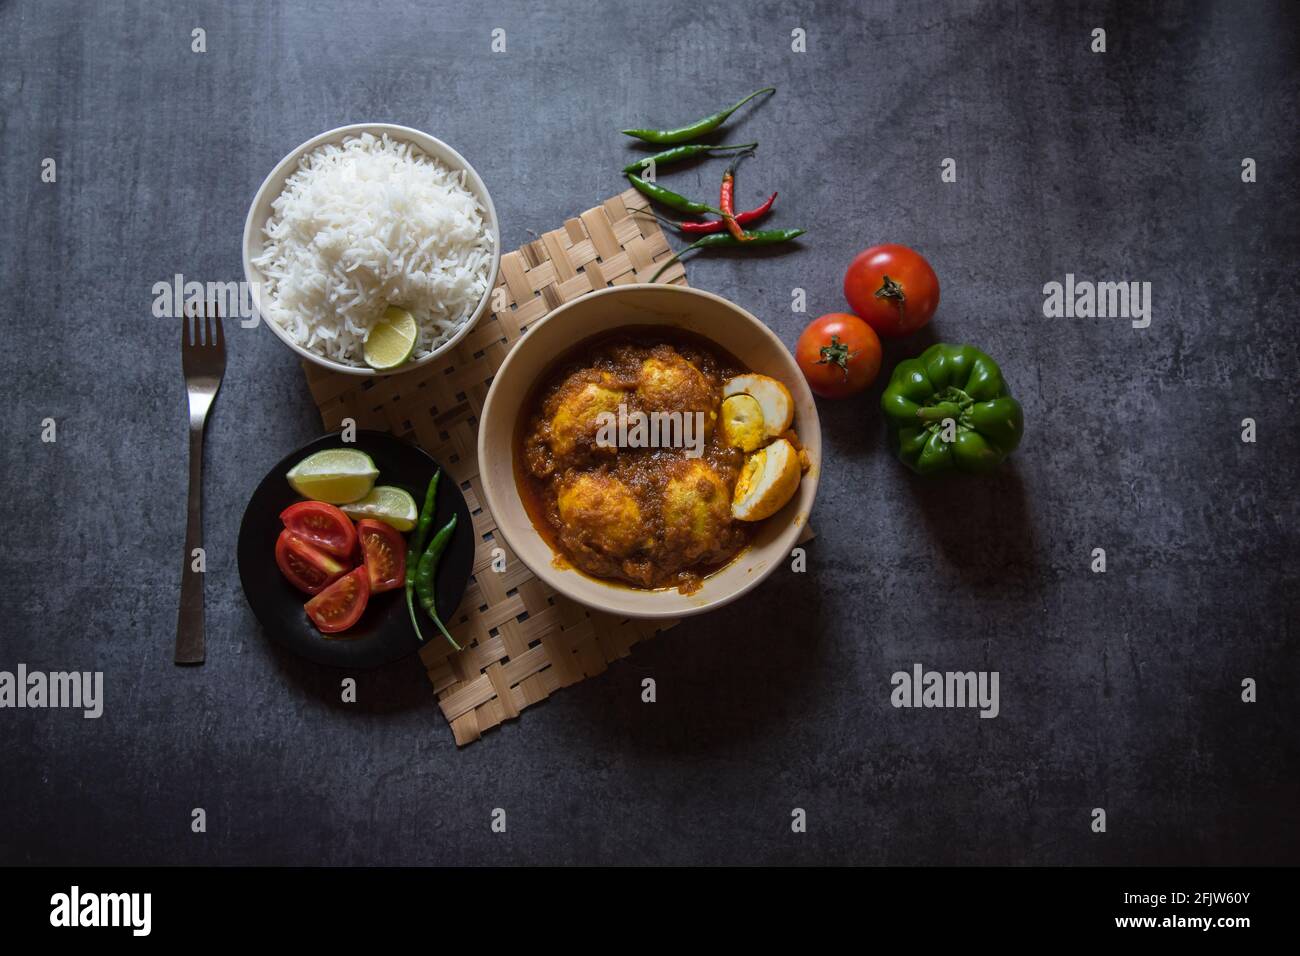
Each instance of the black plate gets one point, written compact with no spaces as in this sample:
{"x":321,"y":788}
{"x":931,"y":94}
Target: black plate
{"x":384,"y":632}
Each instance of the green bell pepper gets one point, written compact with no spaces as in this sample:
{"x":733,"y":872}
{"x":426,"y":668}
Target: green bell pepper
{"x":949,"y":409}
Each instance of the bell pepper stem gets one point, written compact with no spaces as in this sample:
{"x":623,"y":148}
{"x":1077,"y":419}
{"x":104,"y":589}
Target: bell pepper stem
{"x":937,"y":413}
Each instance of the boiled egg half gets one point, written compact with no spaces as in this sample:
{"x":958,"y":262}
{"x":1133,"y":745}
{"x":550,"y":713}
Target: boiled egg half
{"x":769,"y":479}
{"x":754,"y":409}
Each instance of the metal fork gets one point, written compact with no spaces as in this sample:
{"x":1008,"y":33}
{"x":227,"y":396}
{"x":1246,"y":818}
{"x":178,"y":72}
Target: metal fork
{"x":203,"y":358}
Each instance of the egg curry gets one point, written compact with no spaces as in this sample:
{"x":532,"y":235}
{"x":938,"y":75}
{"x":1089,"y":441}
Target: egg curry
{"x":642,"y":511}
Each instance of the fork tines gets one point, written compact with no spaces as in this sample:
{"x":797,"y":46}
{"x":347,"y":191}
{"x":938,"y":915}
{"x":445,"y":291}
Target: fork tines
{"x":202,"y":327}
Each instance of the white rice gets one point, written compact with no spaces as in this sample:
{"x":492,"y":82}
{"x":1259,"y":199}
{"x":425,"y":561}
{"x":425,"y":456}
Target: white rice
{"x":366,"y":224}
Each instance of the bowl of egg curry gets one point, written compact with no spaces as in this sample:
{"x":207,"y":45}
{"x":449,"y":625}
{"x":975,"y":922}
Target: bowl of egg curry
{"x":650,"y":450}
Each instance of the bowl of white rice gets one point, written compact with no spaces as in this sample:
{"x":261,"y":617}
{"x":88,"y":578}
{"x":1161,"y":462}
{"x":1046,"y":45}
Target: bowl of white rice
{"x":365,"y":217}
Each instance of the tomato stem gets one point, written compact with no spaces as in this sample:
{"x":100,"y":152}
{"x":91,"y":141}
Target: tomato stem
{"x":891,"y":290}
{"x":837,"y":353}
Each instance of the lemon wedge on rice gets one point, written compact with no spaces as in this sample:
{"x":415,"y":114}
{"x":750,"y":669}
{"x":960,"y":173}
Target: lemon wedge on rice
{"x":391,"y":341}
{"x":769,"y":479}
{"x":337,"y":475}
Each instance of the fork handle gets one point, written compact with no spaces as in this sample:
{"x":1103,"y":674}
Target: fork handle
{"x":189,"y":622}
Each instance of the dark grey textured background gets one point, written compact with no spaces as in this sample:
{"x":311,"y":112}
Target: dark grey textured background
{"x":1118,"y":690}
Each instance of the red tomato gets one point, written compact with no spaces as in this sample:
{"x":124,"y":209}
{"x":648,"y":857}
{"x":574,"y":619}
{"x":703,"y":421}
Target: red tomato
{"x":839,"y":354}
{"x":323,"y":525}
{"x":307,"y":568}
{"x":384,"y":553}
{"x":893,"y":288}
{"x":339,"y":606}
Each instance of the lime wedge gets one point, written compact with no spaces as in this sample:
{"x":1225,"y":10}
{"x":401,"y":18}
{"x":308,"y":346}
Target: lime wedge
{"x":387,"y":504}
{"x":391,"y":341}
{"x":336,"y":475}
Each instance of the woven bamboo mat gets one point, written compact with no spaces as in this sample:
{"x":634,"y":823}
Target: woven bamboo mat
{"x":521,"y":640}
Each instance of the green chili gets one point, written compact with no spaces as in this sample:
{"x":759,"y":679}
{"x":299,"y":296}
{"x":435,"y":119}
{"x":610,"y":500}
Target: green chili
{"x":425,"y":523}
{"x":679,"y":153}
{"x":669,"y":198}
{"x":416,"y":547}
{"x":764,"y":237}
{"x":424,"y":575}
{"x":693,"y":130}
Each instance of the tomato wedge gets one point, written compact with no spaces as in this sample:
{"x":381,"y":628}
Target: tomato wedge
{"x":322,"y":525}
{"x":384,"y":553}
{"x":307,"y":568}
{"x":339,"y":606}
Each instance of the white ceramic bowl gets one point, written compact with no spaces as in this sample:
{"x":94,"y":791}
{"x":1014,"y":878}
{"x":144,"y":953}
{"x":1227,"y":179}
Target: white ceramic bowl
{"x":273,"y":185}
{"x":705,"y":314}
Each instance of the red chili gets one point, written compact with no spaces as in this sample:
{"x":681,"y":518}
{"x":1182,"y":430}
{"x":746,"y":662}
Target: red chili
{"x":727,"y":203}
{"x":717,"y":225}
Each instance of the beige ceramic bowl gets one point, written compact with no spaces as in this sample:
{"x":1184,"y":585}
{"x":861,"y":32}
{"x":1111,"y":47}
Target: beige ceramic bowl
{"x":703,"y":313}
{"x":273,"y":185}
